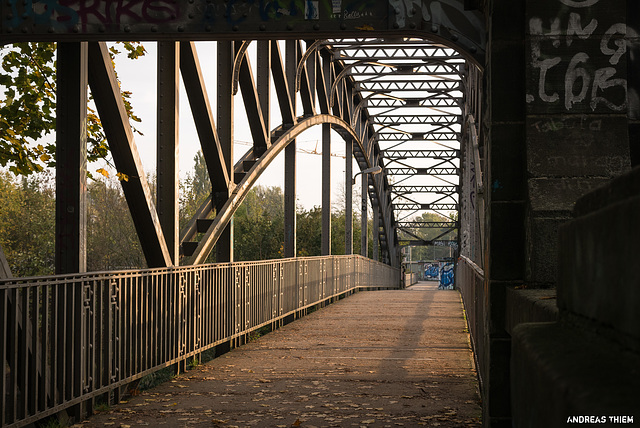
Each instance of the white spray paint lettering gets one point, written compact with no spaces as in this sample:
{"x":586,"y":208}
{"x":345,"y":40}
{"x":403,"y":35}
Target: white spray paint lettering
{"x":580,"y":84}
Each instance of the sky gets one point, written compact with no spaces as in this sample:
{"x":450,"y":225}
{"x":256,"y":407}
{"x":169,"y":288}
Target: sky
{"x":139,"y":77}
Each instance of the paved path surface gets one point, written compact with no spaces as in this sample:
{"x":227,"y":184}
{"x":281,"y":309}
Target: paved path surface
{"x":376,"y":359}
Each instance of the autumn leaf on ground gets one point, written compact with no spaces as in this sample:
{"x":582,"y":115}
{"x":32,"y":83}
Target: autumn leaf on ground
{"x":297,"y":423}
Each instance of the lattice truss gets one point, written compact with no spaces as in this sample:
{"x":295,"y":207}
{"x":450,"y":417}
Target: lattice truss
{"x":413,"y":91}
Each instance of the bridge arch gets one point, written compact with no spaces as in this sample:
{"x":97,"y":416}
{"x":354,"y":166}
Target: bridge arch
{"x":242,"y":188}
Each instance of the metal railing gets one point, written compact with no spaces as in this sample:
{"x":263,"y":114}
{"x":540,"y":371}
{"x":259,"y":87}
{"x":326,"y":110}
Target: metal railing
{"x":411,"y":278}
{"x":67,"y":339}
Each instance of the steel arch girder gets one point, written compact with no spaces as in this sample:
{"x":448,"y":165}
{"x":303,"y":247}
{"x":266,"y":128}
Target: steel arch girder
{"x":206,"y":244}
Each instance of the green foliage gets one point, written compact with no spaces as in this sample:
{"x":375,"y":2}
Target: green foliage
{"x":259,"y":225}
{"x":27,"y":223}
{"x":27,"y":226}
{"x":28,"y":108}
{"x":112,"y":242}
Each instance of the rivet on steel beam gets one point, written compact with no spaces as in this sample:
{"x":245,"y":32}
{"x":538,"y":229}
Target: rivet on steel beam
{"x":412,"y":25}
{"x":127,"y":29}
{"x":434,"y":28}
{"x":473,"y":49}
{"x":191,"y":16}
{"x":289,"y":26}
{"x":101,"y":28}
{"x":235,"y":28}
{"x":396,"y":25}
{"x":76,"y":29}
{"x":180,"y":28}
{"x":343,"y":26}
{"x":25,"y":15}
{"x":316,"y":27}
{"x":262,"y":27}
{"x":24,"y":30}
{"x":207,"y":28}
{"x":454,"y":37}
{"x":50,"y":30}
{"x":154,"y":28}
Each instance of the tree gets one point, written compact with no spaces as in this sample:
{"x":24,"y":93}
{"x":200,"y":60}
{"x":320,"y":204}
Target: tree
{"x":27,"y":224}
{"x":259,"y":225}
{"x":27,"y":110}
{"x":112,"y":241}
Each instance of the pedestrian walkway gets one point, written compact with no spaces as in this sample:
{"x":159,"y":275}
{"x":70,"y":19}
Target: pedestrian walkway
{"x":376,"y":359}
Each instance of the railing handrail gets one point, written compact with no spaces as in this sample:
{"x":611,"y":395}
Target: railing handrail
{"x":136,"y":272}
{"x":67,"y":339}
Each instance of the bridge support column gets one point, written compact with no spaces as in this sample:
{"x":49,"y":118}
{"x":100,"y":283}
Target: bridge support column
{"x":376,"y":232}
{"x":364,"y":246}
{"x":226,"y":55}
{"x":167,"y":152}
{"x":71,"y":221}
{"x":291,"y":64}
{"x":326,"y":190}
{"x":71,"y":158}
{"x":348,"y":200}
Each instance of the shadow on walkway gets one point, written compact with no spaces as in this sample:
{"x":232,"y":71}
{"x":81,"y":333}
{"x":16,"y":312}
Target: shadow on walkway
{"x":376,"y":359}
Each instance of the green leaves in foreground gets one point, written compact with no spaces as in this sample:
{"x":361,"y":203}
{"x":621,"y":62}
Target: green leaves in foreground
{"x":28,"y":107}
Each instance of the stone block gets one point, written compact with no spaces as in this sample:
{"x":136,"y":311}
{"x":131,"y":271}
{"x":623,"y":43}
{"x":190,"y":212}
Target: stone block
{"x":558,"y":372}
{"x":611,"y":192}
{"x":577,"y":146}
{"x":576,"y":60}
{"x":598,"y":261}
{"x":526,"y":306}
{"x":559,"y":195}
{"x":542,"y":250}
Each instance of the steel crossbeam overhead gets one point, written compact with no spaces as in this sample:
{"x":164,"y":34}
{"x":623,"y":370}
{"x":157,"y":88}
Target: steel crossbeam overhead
{"x":418,"y":206}
{"x":406,"y":136}
{"x":380,"y":50}
{"x":443,"y":190}
{"x":400,"y":103}
{"x":410,"y":85}
{"x":396,"y":68}
{"x":422,"y":171}
{"x":415,"y":154}
{"x":387,"y":119}
{"x":427,"y":224}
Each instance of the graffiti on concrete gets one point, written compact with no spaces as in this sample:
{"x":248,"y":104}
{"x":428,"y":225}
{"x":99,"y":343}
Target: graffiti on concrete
{"x":87,"y":15}
{"x":447,"y":277}
{"x":595,"y":74}
{"x":78,"y":14}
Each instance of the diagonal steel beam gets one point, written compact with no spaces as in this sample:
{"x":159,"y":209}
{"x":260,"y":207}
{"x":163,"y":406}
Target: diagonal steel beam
{"x":282,"y":88}
{"x":203,"y":117}
{"x":113,"y":115}
{"x":252,"y":106}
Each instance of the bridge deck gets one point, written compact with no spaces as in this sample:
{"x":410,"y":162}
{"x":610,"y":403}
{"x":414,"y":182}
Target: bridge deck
{"x":376,"y":359}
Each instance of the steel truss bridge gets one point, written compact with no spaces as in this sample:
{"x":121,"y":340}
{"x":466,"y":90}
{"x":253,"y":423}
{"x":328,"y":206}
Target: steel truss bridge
{"x":397,"y":84}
